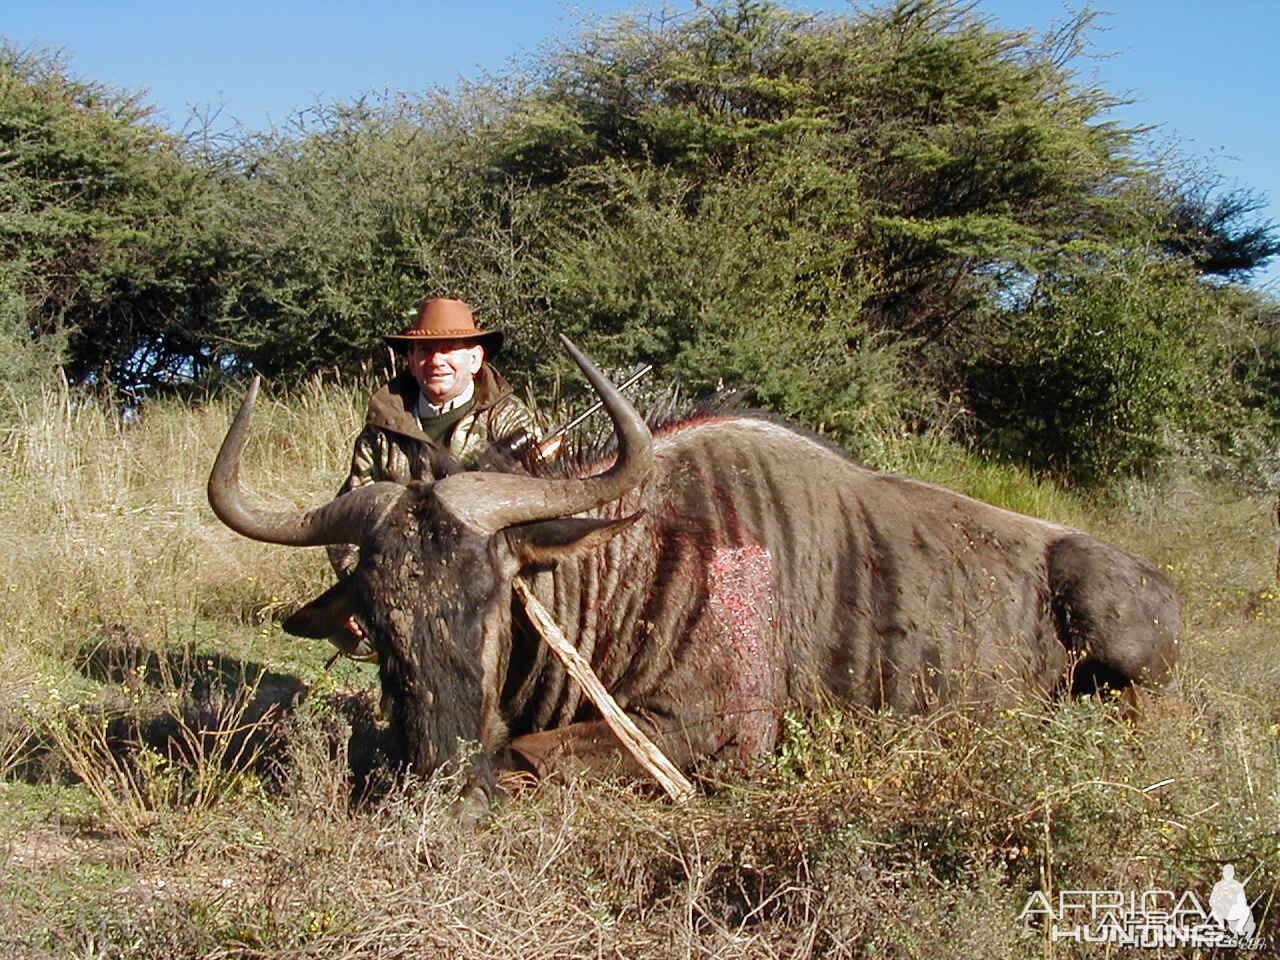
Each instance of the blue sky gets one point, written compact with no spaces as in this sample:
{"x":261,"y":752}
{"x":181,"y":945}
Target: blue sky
{"x":1204,"y":72}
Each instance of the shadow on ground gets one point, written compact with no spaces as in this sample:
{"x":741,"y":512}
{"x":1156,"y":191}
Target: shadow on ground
{"x":195,"y":707}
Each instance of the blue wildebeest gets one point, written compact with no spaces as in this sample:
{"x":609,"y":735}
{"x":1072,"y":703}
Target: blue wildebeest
{"x":716,"y":574}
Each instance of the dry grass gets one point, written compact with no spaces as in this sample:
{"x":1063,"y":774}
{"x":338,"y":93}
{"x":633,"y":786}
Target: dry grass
{"x":156,"y":804}
{"x":106,"y":522}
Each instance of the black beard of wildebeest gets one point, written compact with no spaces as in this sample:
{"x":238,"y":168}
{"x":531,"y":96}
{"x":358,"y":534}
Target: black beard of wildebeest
{"x":429,"y":650}
{"x":715,"y":575}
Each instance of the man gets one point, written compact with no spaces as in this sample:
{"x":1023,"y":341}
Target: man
{"x":449,"y":402}
{"x":450,"y":398}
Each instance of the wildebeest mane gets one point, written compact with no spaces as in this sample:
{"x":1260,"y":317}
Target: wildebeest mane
{"x":586,"y":450}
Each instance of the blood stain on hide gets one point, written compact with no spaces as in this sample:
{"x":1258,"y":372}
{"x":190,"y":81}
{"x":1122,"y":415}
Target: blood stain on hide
{"x":738,"y":586}
{"x":738,"y":599}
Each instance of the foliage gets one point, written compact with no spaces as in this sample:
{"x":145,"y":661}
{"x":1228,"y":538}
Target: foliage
{"x":846,"y":215}
{"x":1114,"y":366}
{"x":942,"y":145}
{"x":28,"y":365}
{"x":1088,"y":377}
{"x":343,"y":230}
{"x":730,"y":294}
{"x":105,"y":224}
{"x":870,"y":221}
{"x":1217,"y":230}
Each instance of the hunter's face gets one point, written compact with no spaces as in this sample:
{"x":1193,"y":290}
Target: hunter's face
{"x":444,"y":368}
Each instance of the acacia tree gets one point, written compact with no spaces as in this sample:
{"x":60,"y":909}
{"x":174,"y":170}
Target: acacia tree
{"x":850,"y":194}
{"x":346,"y":222}
{"x":857,"y":216}
{"x":1218,"y":231}
{"x":105,"y":225}
{"x":828,"y":207}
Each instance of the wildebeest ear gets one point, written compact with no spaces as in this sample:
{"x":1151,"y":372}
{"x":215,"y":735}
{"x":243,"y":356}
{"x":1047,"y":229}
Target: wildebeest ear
{"x":547,"y":541}
{"x":325,"y":616}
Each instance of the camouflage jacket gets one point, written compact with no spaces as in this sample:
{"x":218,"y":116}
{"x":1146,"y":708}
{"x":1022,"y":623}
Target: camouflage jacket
{"x":393,"y":447}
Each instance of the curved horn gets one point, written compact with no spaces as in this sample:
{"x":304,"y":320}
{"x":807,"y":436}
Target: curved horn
{"x":344,"y":519}
{"x":491,"y":501}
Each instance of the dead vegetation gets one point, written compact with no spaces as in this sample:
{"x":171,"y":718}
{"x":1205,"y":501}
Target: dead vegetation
{"x":177,"y":779}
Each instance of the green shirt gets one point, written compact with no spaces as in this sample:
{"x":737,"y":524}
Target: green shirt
{"x":439,"y":428}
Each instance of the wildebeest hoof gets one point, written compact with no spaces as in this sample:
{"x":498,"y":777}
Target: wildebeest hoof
{"x":517,"y":782}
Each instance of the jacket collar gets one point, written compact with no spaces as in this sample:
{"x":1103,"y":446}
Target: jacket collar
{"x":426,"y":408}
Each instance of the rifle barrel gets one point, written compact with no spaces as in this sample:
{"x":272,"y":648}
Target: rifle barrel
{"x":598,"y":404}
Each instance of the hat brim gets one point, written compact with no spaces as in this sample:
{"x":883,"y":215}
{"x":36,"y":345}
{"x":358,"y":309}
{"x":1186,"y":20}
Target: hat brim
{"x":491,"y":340}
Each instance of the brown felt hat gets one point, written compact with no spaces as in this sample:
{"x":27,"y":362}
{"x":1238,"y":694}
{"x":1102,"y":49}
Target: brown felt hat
{"x":444,"y":319}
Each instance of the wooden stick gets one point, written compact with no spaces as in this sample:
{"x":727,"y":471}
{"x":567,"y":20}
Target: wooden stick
{"x":642,"y":748}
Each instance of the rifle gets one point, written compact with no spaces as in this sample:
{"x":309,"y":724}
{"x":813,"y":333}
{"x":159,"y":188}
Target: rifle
{"x":550,"y":444}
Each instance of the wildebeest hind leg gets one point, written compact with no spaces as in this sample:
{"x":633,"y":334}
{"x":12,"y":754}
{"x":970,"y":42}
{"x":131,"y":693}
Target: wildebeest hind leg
{"x":589,"y":747}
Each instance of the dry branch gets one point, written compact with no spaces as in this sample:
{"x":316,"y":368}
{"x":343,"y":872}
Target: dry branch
{"x":642,"y":748}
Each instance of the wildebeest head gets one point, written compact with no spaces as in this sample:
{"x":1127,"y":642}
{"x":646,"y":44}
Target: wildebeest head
{"x":432,"y":589}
